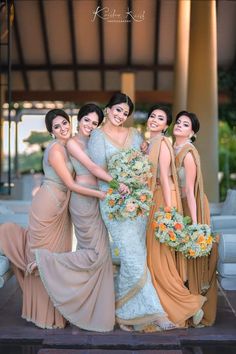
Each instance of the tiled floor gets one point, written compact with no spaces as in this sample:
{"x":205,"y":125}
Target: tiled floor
{"x":18,"y":336}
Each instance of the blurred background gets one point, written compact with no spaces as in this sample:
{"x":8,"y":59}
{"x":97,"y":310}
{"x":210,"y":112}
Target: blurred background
{"x":64,"y":53}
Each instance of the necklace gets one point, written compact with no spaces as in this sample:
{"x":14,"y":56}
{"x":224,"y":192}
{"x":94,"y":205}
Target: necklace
{"x":177,"y":148}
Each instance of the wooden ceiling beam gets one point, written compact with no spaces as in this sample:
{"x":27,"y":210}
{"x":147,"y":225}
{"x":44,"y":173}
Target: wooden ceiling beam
{"x":99,"y":96}
{"x":73,"y":42}
{"x":156,"y":43}
{"x":20,"y":52}
{"x":45,"y":42}
{"x":129,"y":35}
{"x":101,"y":45}
{"x":93,"y":67}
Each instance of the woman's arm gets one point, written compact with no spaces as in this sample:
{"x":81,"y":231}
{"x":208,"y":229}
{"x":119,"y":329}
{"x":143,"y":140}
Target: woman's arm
{"x":164,"y":164}
{"x":75,"y":150}
{"x":190,"y":172}
{"x":56,"y":159}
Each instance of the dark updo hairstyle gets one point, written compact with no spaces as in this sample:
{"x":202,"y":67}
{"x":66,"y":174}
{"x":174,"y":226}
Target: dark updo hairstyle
{"x":53,"y":113}
{"x":118,"y":98}
{"x":90,"y":108}
{"x":163,"y":108}
{"x":194,"y":120}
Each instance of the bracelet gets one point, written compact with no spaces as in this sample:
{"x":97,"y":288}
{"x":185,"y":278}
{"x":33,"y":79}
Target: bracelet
{"x":114,"y":184}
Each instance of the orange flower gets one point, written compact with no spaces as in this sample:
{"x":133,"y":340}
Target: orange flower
{"x":167,"y":209}
{"x":162,"y":227}
{"x":111,"y":202}
{"x":178,"y":226}
{"x":201,"y":239}
{"x":155,"y":224}
{"x":143,"y":198}
{"x":172,"y":235}
{"x":191,"y":253}
{"x":168,"y":216}
{"x":110,"y":191}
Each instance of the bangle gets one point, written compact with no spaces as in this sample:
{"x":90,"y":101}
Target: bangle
{"x":114,"y":184}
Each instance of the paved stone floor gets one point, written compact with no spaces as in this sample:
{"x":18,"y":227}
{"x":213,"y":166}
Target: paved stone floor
{"x":20,"y":337}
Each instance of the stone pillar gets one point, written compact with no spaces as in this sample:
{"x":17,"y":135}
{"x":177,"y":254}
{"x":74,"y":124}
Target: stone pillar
{"x":202,"y":89}
{"x":128,"y":87}
{"x":181,"y":55}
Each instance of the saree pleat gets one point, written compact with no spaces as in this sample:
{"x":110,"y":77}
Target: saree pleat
{"x":80,"y":283}
{"x":50,"y":228}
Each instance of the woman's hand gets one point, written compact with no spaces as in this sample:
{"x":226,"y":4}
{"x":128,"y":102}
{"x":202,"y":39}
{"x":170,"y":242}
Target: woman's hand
{"x":123,"y":189}
{"x":102,"y":195}
{"x":144,"y":146}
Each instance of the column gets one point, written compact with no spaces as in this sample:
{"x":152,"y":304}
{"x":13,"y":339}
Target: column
{"x":181,"y":55}
{"x":202,"y":89}
{"x":128,"y":87}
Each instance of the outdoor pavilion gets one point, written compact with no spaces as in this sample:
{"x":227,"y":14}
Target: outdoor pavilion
{"x":153,"y":50}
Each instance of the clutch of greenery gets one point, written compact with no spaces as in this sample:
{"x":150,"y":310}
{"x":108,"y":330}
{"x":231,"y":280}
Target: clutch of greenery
{"x":133,"y":169}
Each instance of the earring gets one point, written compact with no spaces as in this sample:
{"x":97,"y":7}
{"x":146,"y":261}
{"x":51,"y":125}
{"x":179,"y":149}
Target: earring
{"x":52,"y":135}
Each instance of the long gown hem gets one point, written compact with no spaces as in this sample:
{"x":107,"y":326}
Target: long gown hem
{"x":145,"y":320}
{"x":78,"y":324}
{"x":40,"y":325}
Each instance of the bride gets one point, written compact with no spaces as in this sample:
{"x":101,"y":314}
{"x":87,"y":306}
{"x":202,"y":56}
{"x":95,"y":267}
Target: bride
{"x":137,"y":304}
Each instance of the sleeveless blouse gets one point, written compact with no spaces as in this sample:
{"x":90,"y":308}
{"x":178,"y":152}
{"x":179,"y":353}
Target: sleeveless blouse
{"x":50,"y":175}
{"x":79,"y":168}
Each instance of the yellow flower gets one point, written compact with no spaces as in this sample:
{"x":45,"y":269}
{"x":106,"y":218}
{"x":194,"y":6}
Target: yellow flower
{"x":110,"y":191}
{"x":116,"y":252}
{"x":209,"y":240}
{"x":110,"y":216}
{"x":162,"y":227}
{"x":168,"y":216}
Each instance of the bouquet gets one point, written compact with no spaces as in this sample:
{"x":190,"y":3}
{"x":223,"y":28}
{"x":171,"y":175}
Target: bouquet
{"x":170,"y":227}
{"x":132,"y":168}
{"x":198,"y":241}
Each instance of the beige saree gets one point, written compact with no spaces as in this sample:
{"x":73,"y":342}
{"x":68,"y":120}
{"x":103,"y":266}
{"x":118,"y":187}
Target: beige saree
{"x":80,"y":283}
{"x":201,"y":271}
{"x":50,"y":228}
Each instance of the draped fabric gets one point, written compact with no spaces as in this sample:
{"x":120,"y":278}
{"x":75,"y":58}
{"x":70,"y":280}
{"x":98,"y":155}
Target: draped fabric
{"x":80,"y":283}
{"x":50,"y":228}
{"x":201,"y":271}
{"x":175,"y":298}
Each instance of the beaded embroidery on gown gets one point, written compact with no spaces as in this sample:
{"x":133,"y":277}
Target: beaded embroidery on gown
{"x":137,"y":302}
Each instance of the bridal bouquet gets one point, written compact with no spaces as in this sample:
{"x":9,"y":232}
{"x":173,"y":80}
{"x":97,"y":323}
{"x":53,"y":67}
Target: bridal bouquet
{"x":198,"y":241}
{"x":132,"y":168}
{"x":170,"y":227}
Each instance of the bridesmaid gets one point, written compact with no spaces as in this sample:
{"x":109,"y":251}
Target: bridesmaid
{"x":175,"y":298}
{"x":137,"y":304}
{"x":201,"y":271}
{"x":80,"y":283}
{"x":49,"y":226}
